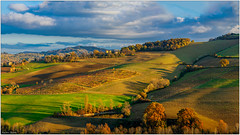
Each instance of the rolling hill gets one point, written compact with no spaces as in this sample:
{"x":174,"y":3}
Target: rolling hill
{"x":195,"y":86}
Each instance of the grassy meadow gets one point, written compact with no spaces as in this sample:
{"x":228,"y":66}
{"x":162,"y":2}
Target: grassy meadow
{"x":27,"y":109}
{"x":209,"y":92}
{"x":230,"y":52}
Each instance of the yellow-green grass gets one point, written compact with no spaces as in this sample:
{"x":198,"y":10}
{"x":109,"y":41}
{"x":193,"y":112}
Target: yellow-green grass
{"x":51,"y":71}
{"x":220,"y":83}
{"x":163,"y":66}
{"x":31,"y":108}
{"x":230,"y":52}
{"x":211,"y":61}
{"x":30,"y":67}
{"x":209,"y":92}
{"x":197,"y":50}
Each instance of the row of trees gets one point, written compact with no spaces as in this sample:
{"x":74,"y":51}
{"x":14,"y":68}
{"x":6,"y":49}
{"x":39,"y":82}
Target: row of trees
{"x":228,"y":36}
{"x":155,"y":122}
{"x":165,"y":45}
{"x":73,"y":57}
{"x":158,"y":83}
{"x":88,"y":108}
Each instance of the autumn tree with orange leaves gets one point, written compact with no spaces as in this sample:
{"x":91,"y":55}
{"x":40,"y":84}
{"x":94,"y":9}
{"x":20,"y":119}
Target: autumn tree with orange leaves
{"x":188,"y":119}
{"x":154,"y":115}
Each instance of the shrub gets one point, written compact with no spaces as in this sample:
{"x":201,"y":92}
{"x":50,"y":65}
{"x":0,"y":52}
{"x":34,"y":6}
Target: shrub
{"x":160,"y":83}
{"x":111,"y":105}
{"x":126,"y":109}
{"x":188,"y":119}
{"x":5,"y":126}
{"x":138,"y":130}
{"x":18,"y":127}
{"x":9,"y":89}
{"x":224,"y":62}
{"x":66,"y":110}
{"x":103,"y":129}
{"x":90,"y":129}
{"x":144,"y":95}
{"x":222,"y":127}
{"x":154,"y":115}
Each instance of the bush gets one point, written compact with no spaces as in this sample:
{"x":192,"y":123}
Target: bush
{"x":9,"y":89}
{"x":154,"y":115}
{"x":160,"y":83}
{"x":144,"y":95}
{"x":224,"y":62}
{"x":90,"y":129}
{"x":188,"y":119}
{"x":5,"y":126}
{"x":103,"y":129}
{"x":222,"y":127}
{"x":66,"y":110}
{"x":126,"y":109}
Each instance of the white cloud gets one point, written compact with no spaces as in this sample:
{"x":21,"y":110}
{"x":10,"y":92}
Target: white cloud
{"x":180,"y":19}
{"x":235,"y":29}
{"x":200,"y":29}
{"x":27,"y":20}
{"x":18,"y":7}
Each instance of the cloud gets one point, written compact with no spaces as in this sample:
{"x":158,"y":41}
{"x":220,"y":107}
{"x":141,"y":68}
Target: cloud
{"x":27,"y":20}
{"x":145,"y":21}
{"x":200,"y":29}
{"x":235,"y":29}
{"x":18,"y":7}
{"x":180,"y":19}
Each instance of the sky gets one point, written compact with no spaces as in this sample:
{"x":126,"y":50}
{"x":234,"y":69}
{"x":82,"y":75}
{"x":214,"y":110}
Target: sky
{"x":47,"y":25}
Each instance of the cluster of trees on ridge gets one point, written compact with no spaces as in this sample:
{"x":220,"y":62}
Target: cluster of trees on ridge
{"x":165,"y":45}
{"x":228,"y":36}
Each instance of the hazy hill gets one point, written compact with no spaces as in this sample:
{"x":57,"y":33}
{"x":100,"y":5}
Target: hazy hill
{"x":5,"y":57}
{"x":77,"y":49}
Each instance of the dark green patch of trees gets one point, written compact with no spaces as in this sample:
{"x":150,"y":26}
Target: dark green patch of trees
{"x":165,"y":45}
{"x":228,"y":36}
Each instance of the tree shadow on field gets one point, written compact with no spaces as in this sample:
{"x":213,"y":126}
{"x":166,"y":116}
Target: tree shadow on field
{"x":162,"y":70}
{"x":135,"y":87}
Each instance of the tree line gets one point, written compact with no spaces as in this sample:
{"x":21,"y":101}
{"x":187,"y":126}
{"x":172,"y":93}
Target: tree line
{"x":228,"y":36}
{"x":165,"y":45}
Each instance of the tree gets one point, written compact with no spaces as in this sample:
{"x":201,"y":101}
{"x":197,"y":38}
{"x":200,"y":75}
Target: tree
{"x":154,"y":115}
{"x":111,"y":104}
{"x":90,"y":129}
{"x":222,"y":127}
{"x":86,"y":104}
{"x":224,"y":62}
{"x":188,"y":119}
{"x":103,"y":129}
{"x":126,"y":110}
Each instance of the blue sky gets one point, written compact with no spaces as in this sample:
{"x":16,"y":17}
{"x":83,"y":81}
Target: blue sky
{"x":41,"y":26}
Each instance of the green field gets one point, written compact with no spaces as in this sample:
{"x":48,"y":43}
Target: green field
{"x":230,"y":52}
{"x":220,"y":83}
{"x":31,"y":108}
{"x":197,"y":50}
